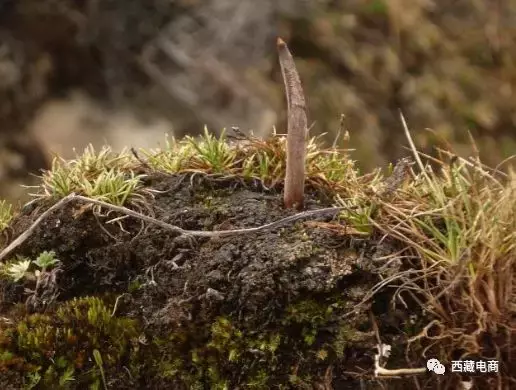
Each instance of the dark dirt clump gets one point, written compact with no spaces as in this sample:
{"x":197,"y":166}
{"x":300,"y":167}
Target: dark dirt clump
{"x":282,"y":308}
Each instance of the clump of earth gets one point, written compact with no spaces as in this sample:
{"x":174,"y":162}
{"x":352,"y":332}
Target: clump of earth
{"x":285,"y":308}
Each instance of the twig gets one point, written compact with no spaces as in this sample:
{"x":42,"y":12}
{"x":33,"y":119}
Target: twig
{"x":384,"y":351}
{"x":413,"y":148}
{"x":140,"y":160}
{"x":380,"y":371}
{"x":22,"y":237}
{"x":172,"y":228}
{"x":116,"y":303}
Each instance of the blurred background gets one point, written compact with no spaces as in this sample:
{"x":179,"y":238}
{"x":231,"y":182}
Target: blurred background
{"x":125,"y":72}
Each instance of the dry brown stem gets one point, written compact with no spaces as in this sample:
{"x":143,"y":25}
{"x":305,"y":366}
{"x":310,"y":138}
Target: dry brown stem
{"x":297,"y":129}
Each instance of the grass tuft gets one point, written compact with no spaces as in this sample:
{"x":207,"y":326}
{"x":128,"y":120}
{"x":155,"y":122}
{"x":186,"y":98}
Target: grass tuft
{"x":102,"y":175}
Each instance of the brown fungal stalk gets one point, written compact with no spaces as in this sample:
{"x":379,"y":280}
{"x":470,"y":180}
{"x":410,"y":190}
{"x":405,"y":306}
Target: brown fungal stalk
{"x":297,"y":128}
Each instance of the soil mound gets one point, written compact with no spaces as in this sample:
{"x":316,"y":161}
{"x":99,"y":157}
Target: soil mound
{"x":281,"y":308}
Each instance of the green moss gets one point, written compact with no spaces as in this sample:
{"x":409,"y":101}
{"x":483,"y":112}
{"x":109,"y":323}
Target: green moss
{"x":57,"y":349}
{"x":308,"y":311}
{"x":256,"y":355}
{"x":345,"y":336}
{"x":229,"y":347}
{"x":300,"y":382}
{"x":225,"y":338}
{"x":259,"y":381}
{"x":134,"y":285}
{"x":214,"y":359}
{"x":311,"y":315}
{"x":170,"y":368}
{"x":49,"y":348}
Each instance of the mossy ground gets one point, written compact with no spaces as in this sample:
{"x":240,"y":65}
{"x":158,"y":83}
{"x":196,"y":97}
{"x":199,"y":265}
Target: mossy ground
{"x":132,"y":305}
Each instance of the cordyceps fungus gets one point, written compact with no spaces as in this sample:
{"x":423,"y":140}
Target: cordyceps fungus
{"x":297,"y":128}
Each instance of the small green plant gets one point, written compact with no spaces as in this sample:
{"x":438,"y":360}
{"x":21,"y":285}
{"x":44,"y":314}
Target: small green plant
{"x":18,"y":269}
{"x":100,"y":175}
{"x":6,"y":214}
{"x":98,"y":360}
{"x":32,"y":379}
{"x":67,"y":377}
{"x":264,"y":160}
{"x":213,"y":153}
{"x":46,"y":260}
{"x":112,"y":186}
{"x":171,"y":159}
{"x":357,"y":214}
